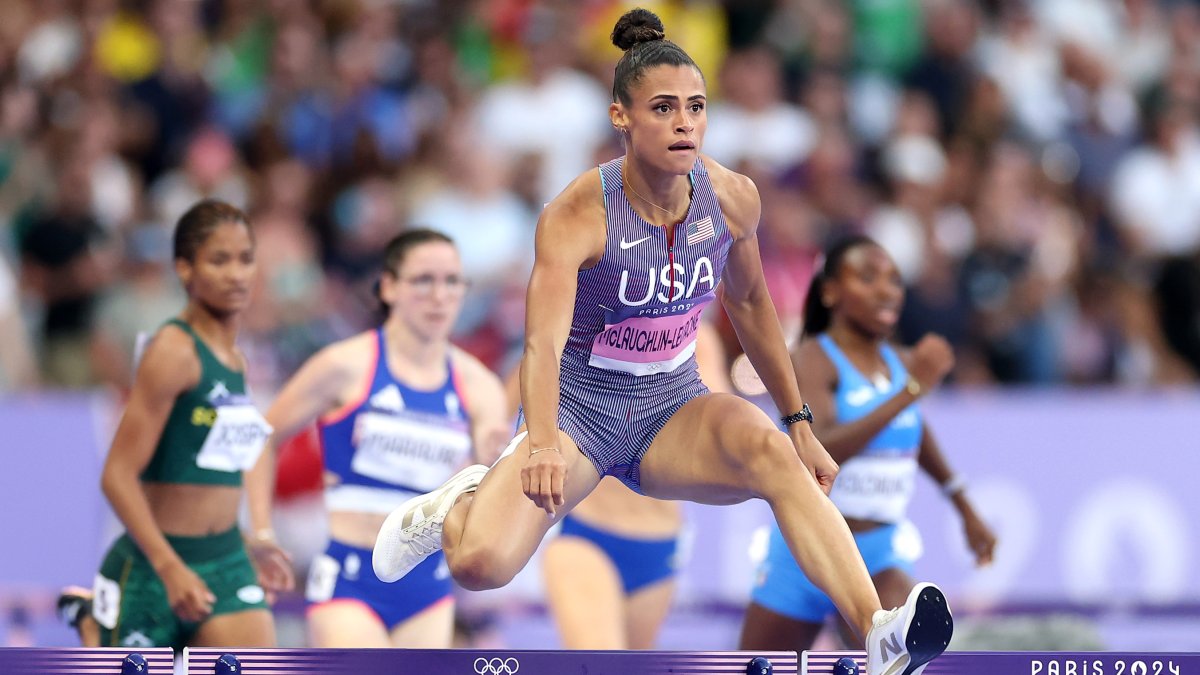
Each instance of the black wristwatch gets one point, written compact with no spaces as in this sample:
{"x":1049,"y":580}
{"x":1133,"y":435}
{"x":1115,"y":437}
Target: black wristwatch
{"x":805,"y":415}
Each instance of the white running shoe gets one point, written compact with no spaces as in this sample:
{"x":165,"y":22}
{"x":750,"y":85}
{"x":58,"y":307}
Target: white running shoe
{"x":903,"y":640}
{"x":413,"y":531}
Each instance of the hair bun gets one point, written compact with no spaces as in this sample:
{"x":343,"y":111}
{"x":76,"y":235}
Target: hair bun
{"x":635,"y":27}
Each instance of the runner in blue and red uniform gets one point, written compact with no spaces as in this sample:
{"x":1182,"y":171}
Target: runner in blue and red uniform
{"x":399,"y":409}
{"x":626,"y":259}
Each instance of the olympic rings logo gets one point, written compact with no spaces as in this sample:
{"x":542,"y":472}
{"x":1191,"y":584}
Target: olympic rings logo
{"x":496,"y":666}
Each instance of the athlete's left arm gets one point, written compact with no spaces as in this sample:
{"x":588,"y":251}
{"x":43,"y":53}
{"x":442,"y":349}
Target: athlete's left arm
{"x":743,"y":293}
{"x":487,"y":404}
{"x":980,"y":538}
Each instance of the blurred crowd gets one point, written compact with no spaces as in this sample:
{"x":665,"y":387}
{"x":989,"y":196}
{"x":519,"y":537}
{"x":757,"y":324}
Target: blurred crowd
{"x":1033,"y":166}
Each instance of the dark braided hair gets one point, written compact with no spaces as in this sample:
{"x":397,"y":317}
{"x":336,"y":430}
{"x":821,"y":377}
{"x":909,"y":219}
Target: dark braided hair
{"x":639,"y":33}
{"x":198,"y":222}
{"x":816,"y":315}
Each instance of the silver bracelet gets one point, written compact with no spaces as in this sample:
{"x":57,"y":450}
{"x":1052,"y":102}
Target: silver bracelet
{"x":955,"y":485}
{"x":551,"y":447}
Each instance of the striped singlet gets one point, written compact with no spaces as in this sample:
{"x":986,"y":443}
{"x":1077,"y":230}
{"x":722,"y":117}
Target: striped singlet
{"x":629,"y":362}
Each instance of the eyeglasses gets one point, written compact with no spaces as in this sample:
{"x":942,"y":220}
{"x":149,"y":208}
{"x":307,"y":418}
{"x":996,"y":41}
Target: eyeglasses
{"x":425,"y":284}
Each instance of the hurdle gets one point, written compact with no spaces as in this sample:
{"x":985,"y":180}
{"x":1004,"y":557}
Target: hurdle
{"x":106,"y":661}
{"x":196,"y":661}
{"x":479,"y":662}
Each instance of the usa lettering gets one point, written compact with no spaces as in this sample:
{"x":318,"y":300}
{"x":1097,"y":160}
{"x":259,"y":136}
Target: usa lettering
{"x":684,"y":285}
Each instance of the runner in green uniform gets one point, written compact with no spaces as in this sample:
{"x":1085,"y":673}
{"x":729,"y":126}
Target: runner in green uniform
{"x":181,"y":574}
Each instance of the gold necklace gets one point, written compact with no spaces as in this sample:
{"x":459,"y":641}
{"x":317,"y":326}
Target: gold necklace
{"x":625,"y":181}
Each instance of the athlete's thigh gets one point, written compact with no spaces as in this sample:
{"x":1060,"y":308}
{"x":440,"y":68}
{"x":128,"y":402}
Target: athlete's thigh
{"x":766,"y":630}
{"x":645,"y":611}
{"x":432,"y":628}
{"x":345,"y":623}
{"x":247,"y":628}
{"x":700,"y":453}
{"x":500,"y":505}
{"x":584,"y":591}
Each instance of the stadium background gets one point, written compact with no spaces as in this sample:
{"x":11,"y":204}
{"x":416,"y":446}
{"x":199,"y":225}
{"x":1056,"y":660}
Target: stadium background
{"x":1033,"y":166}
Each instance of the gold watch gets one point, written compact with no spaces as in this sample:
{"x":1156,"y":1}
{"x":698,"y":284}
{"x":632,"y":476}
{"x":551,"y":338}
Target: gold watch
{"x":912,"y":386}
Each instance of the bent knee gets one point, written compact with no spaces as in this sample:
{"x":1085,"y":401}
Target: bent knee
{"x":771,"y":461}
{"x":480,"y":569}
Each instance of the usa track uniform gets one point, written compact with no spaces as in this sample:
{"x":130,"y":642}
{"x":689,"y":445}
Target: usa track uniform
{"x":876,"y":484}
{"x":396,"y":442}
{"x":629,"y":361}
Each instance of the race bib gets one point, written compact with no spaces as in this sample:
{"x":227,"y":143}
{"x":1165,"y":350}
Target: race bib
{"x":236,"y":439}
{"x":875,"y":488}
{"x":322,"y":578}
{"x":406,"y":452}
{"x":106,"y":602}
{"x":650,"y":341}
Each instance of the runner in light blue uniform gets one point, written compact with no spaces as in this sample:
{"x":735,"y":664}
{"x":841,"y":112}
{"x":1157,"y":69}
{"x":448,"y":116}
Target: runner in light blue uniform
{"x":875,"y":485}
{"x":867,"y":394}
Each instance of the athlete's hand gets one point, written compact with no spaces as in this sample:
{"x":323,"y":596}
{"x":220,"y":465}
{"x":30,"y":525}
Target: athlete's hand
{"x":932,"y":359}
{"x":187,"y":593}
{"x":273,"y":565}
{"x":542,"y":478}
{"x":980,"y":538}
{"x":814,"y":455}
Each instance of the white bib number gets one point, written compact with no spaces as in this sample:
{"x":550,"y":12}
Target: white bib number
{"x":407,"y":453}
{"x":322,"y":578}
{"x":106,"y":602}
{"x":235,"y":441}
{"x":875,"y":488}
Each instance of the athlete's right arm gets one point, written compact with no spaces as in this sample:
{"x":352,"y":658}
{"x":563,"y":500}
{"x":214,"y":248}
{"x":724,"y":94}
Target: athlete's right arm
{"x":313,"y":390}
{"x":168,"y":368}
{"x":569,"y":237}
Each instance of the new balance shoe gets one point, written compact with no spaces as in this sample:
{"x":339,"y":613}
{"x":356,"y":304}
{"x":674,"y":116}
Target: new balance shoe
{"x":904,"y":640}
{"x":413,"y":532}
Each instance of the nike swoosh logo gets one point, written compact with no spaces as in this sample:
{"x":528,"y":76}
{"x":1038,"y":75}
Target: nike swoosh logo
{"x":631,"y":244}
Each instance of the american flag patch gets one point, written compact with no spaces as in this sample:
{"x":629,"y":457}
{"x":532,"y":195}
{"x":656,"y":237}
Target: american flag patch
{"x":701,"y":230}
